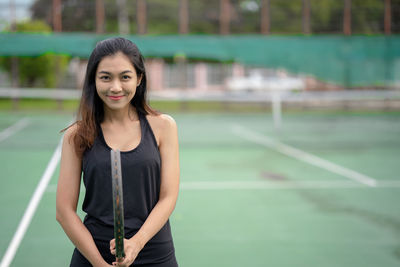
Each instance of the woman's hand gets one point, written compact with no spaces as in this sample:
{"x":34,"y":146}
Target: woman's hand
{"x":132,"y":248}
{"x":103,"y":265}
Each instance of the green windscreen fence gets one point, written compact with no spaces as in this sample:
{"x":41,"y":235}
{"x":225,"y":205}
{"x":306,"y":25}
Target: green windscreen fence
{"x":343,"y":60}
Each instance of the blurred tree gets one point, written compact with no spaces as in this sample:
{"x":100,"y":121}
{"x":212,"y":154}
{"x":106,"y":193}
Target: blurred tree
{"x":395,"y":16}
{"x":163,"y":16}
{"x":36,"y":71}
{"x":368,"y":16}
{"x":327,"y":16}
{"x":81,"y":15}
{"x":286,"y":16}
{"x":76,"y":15}
{"x":204,"y":16}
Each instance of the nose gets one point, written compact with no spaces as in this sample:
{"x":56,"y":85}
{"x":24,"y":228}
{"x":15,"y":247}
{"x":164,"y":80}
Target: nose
{"x":116,"y":87}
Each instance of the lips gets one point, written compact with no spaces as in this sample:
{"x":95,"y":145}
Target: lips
{"x":115,"y":97}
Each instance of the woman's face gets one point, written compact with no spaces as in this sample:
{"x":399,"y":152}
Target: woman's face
{"x":116,"y":81}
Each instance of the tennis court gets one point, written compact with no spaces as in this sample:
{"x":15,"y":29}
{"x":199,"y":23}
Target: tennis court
{"x":323,"y":191}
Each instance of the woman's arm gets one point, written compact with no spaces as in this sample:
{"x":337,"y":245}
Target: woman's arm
{"x":67,"y":200}
{"x":169,"y":151}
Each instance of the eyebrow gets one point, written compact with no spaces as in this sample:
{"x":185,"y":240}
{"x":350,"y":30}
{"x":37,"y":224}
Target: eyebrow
{"x":109,"y":73}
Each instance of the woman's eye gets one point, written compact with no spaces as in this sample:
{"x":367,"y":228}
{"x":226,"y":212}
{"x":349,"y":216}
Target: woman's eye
{"x":126,"y":77}
{"x":104,"y":78}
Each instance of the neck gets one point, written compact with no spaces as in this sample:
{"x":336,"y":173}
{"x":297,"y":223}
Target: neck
{"x":121,"y":115}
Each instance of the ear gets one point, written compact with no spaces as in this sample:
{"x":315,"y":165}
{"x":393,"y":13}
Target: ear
{"x":139,"y":80}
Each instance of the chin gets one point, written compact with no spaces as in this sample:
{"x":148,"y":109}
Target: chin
{"x":117,"y":106}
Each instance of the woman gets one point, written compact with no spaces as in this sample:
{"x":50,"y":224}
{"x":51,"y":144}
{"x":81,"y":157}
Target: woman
{"x":113,"y":114}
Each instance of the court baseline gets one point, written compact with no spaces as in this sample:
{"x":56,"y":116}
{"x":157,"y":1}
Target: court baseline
{"x":19,"y":125}
{"x":301,"y":155}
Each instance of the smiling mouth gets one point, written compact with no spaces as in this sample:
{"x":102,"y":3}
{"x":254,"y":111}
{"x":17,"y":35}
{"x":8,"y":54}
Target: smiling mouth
{"x":115,"y":97}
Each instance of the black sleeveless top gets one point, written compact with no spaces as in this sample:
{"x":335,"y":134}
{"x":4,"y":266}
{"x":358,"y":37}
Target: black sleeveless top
{"x":141,"y":169}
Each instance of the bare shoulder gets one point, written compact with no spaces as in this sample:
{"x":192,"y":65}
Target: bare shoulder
{"x":162,"y":122}
{"x":70,"y":133}
{"x":163,"y":126}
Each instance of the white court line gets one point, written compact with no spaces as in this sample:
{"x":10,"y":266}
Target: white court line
{"x":19,"y":125}
{"x":265,"y":185}
{"x":32,"y":206}
{"x":302,"y":155}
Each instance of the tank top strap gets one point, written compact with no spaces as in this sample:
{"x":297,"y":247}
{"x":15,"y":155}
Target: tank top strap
{"x":147,"y":131}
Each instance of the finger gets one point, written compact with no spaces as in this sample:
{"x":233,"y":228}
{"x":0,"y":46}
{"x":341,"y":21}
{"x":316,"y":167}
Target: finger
{"x":112,"y":246}
{"x":127,"y":261}
{"x":119,"y":262}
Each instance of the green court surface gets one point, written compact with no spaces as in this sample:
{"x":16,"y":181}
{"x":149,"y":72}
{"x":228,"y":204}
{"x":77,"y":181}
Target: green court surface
{"x":321,"y":191}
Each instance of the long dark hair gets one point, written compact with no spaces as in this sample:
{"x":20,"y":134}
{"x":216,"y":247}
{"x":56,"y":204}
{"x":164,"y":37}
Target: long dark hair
{"x":91,"y":110}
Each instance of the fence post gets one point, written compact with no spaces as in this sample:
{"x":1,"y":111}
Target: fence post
{"x":100,"y":16}
{"x":388,"y":17}
{"x":306,"y":17}
{"x":141,"y":15}
{"x":347,"y":17}
{"x":183,"y":17}
{"x":265,"y":18}
{"x":224,"y":16}
{"x":57,"y":18}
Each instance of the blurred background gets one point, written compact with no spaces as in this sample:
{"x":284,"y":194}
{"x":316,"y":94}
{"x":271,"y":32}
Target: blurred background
{"x":288,"y":114}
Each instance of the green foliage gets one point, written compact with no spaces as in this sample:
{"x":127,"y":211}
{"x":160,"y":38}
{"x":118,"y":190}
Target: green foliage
{"x":326,"y":16}
{"x":76,"y":15}
{"x":204,"y":15}
{"x":369,"y":17}
{"x":41,"y":71}
{"x":163,"y":16}
{"x":33,"y":26}
{"x":286,"y":16}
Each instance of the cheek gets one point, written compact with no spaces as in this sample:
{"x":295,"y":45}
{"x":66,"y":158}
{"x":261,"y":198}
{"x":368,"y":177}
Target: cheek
{"x":99,"y":87}
{"x":131,"y":86}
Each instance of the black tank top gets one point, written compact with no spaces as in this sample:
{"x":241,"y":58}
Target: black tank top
{"x":141,"y":169}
